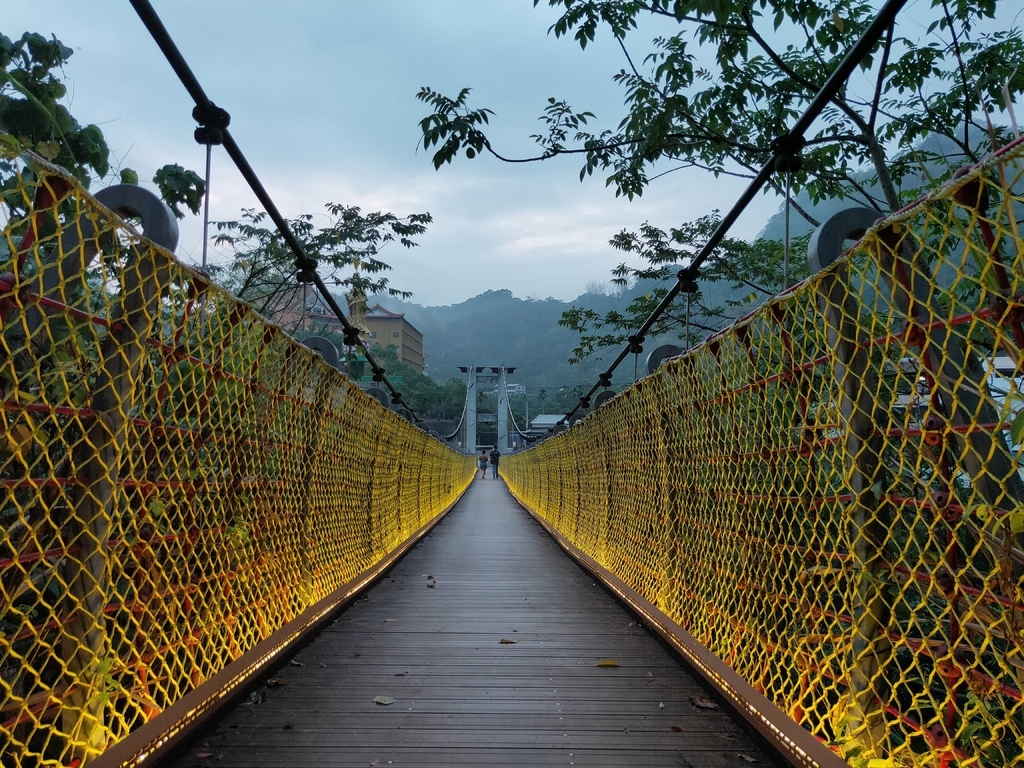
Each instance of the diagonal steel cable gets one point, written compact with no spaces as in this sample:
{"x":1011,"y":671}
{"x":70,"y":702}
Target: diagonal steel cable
{"x":304,"y":263}
{"x":783,"y":147}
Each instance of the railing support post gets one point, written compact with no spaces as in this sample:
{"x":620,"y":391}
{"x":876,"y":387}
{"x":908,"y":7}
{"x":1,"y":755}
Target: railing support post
{"x":856,"y":386}
{"x":85,"y":642}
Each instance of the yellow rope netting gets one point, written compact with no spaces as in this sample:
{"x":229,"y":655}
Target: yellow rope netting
{"x":829,"y":496}
{"x":180,"y":477}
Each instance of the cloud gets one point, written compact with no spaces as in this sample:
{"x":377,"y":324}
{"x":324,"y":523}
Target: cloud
{"x":322,"y":103}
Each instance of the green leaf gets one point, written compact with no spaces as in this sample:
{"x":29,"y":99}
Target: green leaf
{"x":1017,"y":428}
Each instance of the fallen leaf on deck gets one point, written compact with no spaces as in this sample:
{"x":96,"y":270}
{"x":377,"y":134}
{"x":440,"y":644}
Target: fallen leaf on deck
{"x":431,"y":586}
{"x":295,"y":663}
{"x":287,"y":726}
{"x":383,"y":700}
{"x":702,"y":703}
{"x":390,"y":619}
{"x":746,"y":758}
{"x":506,"y":641}
{"x":204,"y":754}
{"x":374,"y":762}
{"x":276,"y":682}
{"x":677,"y":729}
{"x":607,"y":663}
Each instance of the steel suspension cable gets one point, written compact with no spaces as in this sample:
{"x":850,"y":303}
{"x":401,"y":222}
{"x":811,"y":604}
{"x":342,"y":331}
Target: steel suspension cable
{"x":207,"y":113}
{"x":784,"y":149}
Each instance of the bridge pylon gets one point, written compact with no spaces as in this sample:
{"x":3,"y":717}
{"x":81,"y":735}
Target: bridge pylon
{"x":477,"y":375}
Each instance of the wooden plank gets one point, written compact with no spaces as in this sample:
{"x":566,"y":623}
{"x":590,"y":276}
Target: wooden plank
{"x":461,"y":697}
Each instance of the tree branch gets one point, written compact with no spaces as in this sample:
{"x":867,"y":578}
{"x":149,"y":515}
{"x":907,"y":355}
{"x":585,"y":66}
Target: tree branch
{"x":963,"y":72}
{"x":880,"y":80}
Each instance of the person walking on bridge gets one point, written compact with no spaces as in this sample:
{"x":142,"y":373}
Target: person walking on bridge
{"x":495,"y":455}
{"x":481,"y":462}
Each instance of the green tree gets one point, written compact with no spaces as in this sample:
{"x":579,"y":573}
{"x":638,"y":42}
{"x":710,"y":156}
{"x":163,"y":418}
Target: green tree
{"x":34,"y":118}
{"x":262,"y":270}
{"x":753,"y":272}
{"x":724,"y":79}
{"x":728,"y":77}
{"x":429,"y":399}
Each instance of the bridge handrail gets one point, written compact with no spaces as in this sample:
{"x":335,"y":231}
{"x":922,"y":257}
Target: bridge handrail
{"x":828,"y":494}
{"x":181,"y":478}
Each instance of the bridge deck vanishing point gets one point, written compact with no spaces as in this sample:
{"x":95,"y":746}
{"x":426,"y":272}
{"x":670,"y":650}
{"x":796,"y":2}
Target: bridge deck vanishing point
{"x":487,"y":646}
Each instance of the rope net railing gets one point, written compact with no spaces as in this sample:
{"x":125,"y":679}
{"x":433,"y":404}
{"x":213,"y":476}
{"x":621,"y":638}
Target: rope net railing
{"x":180,"y":477}
{"x":828,"y":495}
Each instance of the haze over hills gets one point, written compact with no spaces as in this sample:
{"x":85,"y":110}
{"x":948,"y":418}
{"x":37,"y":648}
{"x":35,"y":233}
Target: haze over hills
{"x":496,"y":327}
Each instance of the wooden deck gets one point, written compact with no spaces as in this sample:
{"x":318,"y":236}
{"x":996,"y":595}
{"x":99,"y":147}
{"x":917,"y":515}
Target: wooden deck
{"x":488,"y":640}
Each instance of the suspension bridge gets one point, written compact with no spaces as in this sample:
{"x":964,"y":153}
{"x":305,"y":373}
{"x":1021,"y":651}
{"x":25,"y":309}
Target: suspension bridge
{"x":800,"y":542}
{"x":819,"y":511}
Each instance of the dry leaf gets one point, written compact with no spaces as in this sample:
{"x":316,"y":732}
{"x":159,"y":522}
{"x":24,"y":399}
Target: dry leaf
{"x":204,"y":754}
{"x":746,"y":758}
{"x":607,"y":663}
{"x":295,"y":663}
{"x":143,"y":698}
{"x":677,"y":729}
{"x":401,"y":674}
{"x":276,"y":682}
{"x":431,"y":586}
{"x":287,"y":726}
{"x":506,"y":641}
{"x":390,"y":619}
{"x":702,"y":703}
{"x":383,"y":700}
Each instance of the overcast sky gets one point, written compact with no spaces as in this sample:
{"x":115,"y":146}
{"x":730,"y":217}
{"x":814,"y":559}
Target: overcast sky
{"x":321,"y":95}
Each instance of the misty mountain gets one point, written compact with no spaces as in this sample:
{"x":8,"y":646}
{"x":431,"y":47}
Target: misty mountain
{"x":932,"y":172}
{"x":498,"y":328}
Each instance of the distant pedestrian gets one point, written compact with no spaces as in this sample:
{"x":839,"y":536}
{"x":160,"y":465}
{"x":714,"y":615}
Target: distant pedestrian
{"x":481,"y":462}
{"x":495,"y":455}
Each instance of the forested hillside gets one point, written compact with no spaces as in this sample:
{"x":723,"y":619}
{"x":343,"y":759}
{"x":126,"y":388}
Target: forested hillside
{"x":497,"y":327}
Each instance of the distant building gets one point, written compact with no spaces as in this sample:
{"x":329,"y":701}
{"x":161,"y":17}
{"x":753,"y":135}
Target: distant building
{"x":377,"y":326}
{"x":542,"y":423}
{"x":392,"y":329}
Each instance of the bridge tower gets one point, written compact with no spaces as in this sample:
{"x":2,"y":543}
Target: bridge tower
{"x":477,"y":375}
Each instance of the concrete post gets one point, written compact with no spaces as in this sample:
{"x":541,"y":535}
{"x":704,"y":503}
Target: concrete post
{"x":469,"y":445}
{"x":502,"y":412}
